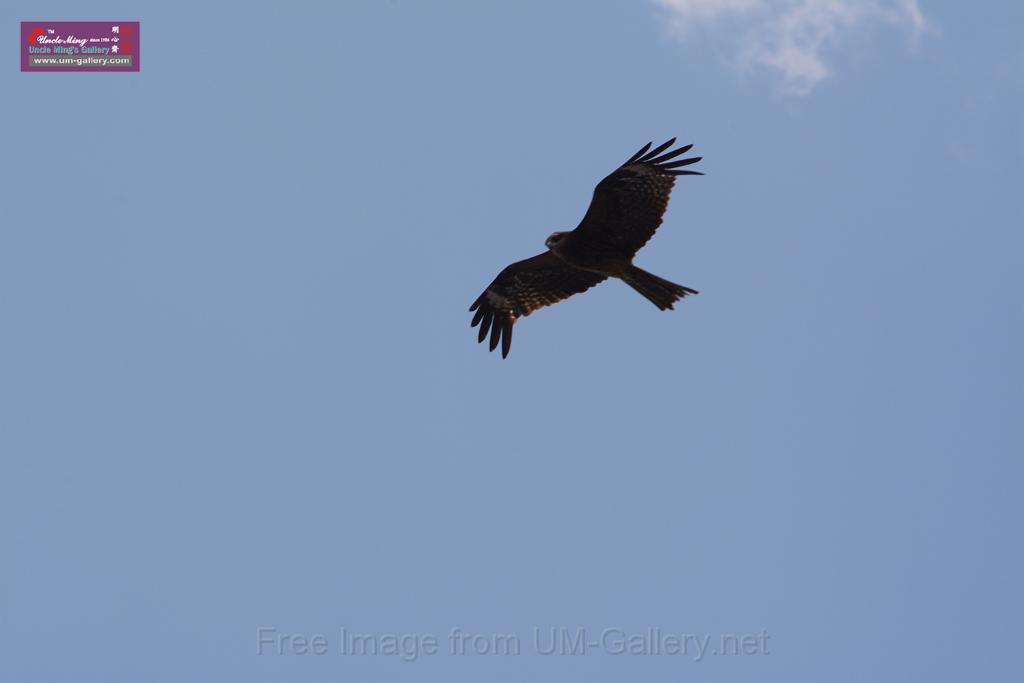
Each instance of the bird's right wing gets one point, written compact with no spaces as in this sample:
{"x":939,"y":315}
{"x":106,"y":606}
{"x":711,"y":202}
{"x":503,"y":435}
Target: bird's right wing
{"x":521,"y":289}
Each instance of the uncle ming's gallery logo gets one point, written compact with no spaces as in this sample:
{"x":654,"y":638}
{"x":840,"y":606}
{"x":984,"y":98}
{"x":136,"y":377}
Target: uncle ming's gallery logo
{"x":80,"y":46}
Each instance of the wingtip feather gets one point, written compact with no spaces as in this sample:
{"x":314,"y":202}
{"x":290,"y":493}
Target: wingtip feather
{"x":495,"y":333}
{"x":506,"y":337}
{"x":657,"y":150}
{"x":639,"y":153}
{"x":485,"y":325}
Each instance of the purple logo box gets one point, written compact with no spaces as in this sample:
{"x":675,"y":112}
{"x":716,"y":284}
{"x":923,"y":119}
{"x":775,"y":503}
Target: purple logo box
{"x":79,"y":46}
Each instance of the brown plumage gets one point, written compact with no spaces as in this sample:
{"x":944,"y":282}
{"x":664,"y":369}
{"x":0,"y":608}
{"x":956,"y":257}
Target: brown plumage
{"x":625,"y":212}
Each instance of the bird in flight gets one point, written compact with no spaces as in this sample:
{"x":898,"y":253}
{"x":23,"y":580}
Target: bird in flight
{"x":626,"y":209}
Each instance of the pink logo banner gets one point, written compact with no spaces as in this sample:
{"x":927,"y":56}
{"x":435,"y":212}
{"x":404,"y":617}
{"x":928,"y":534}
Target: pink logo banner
{"x":79,"y":46}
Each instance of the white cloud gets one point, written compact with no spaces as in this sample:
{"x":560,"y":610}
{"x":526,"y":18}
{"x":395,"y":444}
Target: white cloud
{"x":791,"y":37}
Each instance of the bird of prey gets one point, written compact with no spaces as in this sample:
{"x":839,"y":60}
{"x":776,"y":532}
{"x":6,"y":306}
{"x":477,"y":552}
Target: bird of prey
{"x":626,"y":209}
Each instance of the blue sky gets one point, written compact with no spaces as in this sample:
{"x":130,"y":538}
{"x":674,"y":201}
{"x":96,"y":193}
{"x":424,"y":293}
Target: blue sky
{"x":240,"y":389}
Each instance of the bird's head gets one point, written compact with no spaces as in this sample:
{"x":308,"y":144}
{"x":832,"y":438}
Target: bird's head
{"x":554,"y":239}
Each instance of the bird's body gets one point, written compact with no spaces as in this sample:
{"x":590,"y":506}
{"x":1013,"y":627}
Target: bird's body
{"x":586,"y":254}
{"x":624,"y":213}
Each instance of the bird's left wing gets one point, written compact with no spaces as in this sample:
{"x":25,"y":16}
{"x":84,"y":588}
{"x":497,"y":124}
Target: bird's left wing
{"x":628,"y":205}
{"x":521,"y":289}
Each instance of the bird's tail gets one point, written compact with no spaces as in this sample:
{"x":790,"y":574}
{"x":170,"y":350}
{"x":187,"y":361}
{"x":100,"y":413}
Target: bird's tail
{"x":659,"y":292}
